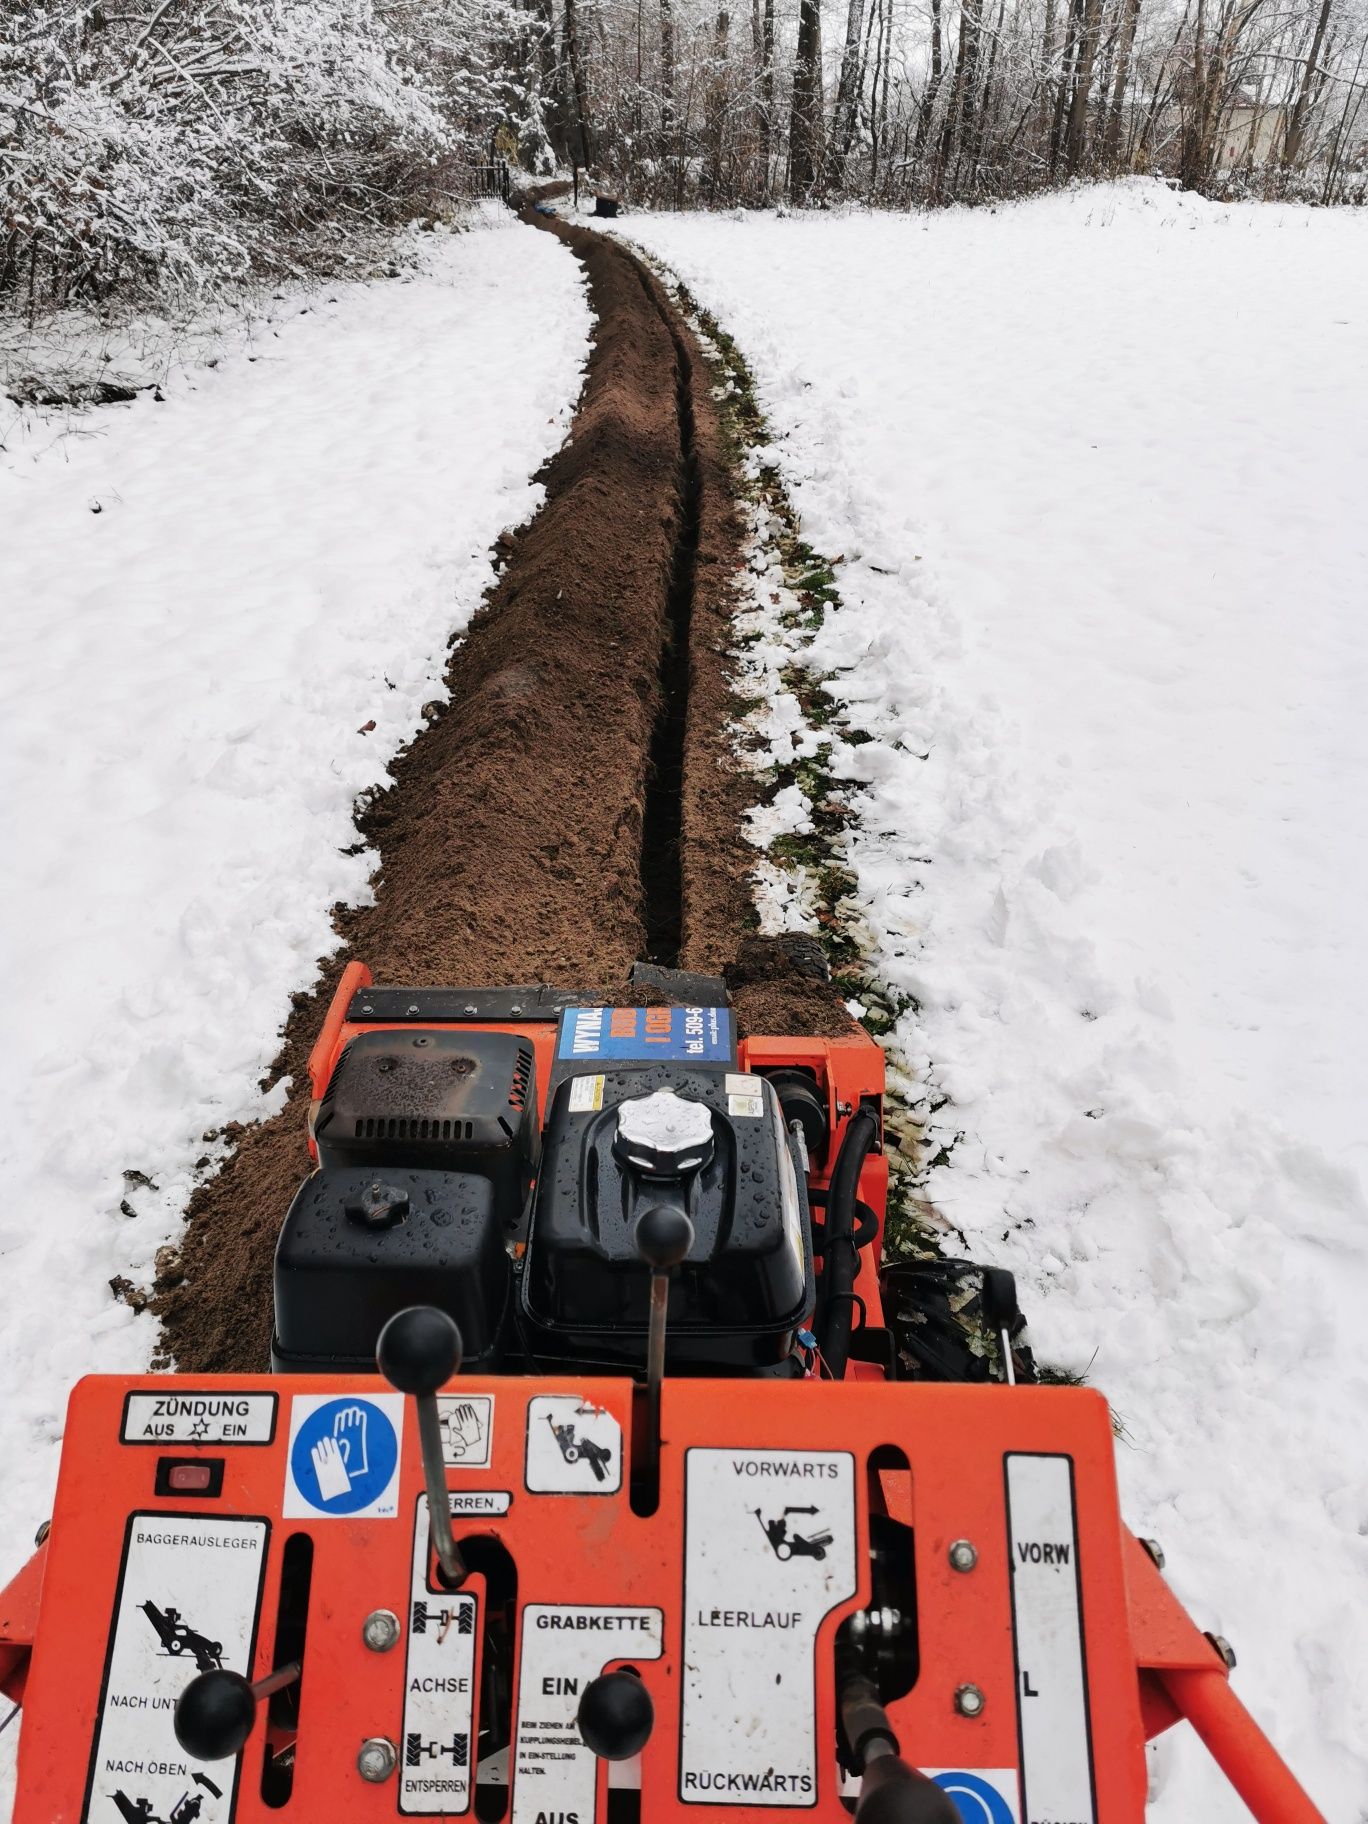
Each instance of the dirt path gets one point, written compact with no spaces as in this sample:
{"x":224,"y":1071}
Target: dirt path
{"x":575,"y":806}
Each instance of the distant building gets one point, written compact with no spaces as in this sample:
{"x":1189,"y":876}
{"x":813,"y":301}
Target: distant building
{"x":1251,"y":132}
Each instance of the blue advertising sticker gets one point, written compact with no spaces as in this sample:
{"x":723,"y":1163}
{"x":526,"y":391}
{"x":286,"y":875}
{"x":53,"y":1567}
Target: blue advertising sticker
{"x":668,"y":1035}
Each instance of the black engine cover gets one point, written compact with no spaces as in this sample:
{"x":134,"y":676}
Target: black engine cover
{"x":747,"y":1282}
{"x":448,"y":1101}
{"x":360,"y":1243}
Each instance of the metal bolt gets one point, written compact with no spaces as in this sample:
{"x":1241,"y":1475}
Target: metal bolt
{"x":413,"y":1007}
{"x":1156,"y":1552}
{"x":380,"y":1630}
{"x":378,"y":1759}
{"x":1224,"y":1648}
{"x":969,"y":1700}
{"x":42,"y":1532}
{"x":963,"y":1556}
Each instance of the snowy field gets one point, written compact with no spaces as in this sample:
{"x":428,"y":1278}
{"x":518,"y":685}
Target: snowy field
{"x":222,"y":616}
{"x":1097,"y":468}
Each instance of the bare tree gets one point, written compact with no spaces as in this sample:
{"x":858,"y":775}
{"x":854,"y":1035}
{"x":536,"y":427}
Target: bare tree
{"x":1311,"y":84}
{"x":805,"y":123}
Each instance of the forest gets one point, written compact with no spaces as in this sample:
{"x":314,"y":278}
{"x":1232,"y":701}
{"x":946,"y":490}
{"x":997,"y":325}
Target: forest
{"x":175,"y":147}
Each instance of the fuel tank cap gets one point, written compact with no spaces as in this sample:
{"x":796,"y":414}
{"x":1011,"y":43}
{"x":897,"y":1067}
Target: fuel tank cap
{"x":663,"y":1135}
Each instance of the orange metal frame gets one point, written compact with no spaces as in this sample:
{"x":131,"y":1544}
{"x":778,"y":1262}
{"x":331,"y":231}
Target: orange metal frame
{"x":1145,"y":1663}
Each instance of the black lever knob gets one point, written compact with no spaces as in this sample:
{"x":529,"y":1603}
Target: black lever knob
{"x":616,"y":1715}
{"x":214,"y":1715}
{"x":419,"y":1350}
{"x":663,"y":1237}
{"x":215,"y":1712}
{"x":1001,"y":1311}
{"x":894,"y":1793}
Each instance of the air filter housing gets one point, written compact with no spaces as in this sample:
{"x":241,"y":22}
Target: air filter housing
{"x":450,"y":1101}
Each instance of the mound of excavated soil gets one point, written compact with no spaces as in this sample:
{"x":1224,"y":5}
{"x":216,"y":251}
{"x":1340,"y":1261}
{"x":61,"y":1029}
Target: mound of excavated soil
{"x":511,"y":841}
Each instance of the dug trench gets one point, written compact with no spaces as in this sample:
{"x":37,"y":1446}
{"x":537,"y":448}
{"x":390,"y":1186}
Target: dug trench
{"x":574,"y":806}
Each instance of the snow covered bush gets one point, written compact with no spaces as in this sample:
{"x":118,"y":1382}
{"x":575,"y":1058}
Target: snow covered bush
{"x":176,"y":145}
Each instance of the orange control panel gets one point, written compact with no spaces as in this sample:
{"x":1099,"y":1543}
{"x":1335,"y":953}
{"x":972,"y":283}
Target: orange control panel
{"x":204,"y":1523}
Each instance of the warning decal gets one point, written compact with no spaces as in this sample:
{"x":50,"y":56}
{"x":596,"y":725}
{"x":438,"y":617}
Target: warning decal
{"x":344,"y":1456}
{"x":467,"y":1425}
{"x":188,"y":1600}
{"x":199,"y":1418}
{"x":563,"y":1647}
{"x":439,"y":1691}
{"x":573,"y":1448}
{"x":769,"y":1552}
{"x":586,"y":1095}
{"x":983,"y":1796}
{"x":745,"y":1098}
{"x":1047,"y":1636}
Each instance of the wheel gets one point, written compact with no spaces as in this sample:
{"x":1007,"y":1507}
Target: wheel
{"x":783,"y":1553}
{"x":820,"y":1553}
{"x":175,"y":1644}
{"x":573,"y":1454}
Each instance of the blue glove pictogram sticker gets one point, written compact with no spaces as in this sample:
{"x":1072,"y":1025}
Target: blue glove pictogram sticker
{"x":344,"y":1455}
{"x":978,"y":1802}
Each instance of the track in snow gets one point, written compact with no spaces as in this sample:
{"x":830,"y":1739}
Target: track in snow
{"x":574,"y":806}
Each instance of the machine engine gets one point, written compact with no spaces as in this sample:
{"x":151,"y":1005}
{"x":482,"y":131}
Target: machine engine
{"x":438,"y":1184}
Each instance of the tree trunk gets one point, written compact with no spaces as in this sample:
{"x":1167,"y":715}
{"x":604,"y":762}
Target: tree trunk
{"x":1111,"y":143}
{"x":767,"y":95}
{"x":805,"y":125}
{"x":1076,"y":132}
{"x":961,"y":108}
{"x":1296,"y":120}
{"x":927,"y":105}
{"x":1073,"y":35}
{"x":715,"y":124}
{"x":667,"y":90}
{"x":843,"y":116}
{"x":575,"y":59}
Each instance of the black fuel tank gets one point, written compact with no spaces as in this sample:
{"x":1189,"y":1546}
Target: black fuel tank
{"x":747,"y":1282}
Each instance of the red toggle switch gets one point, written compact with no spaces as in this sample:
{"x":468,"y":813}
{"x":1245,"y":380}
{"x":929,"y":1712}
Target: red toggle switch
{"x":202,"y":1476}
{"x":190,"y":1478}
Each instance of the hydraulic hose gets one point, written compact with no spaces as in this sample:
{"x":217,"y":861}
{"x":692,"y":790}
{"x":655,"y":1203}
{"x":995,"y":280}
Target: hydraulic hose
{"x":836,"y":1304}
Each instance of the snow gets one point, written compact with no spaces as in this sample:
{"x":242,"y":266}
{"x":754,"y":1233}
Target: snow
{"x":1096,"y":467}
{"x":208,"y":601}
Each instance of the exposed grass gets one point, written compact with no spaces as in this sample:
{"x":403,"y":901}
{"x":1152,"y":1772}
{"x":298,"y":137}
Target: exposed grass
{"x":818,"y":854}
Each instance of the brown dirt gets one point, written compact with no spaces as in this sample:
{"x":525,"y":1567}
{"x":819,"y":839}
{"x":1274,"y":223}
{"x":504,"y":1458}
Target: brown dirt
{"x":511,"y":839}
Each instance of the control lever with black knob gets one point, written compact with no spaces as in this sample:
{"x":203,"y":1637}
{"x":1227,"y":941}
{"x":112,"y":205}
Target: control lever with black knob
{"x":663,"y":1237}
{"x":616,"y":1715}
{"x":1002,"y":1313}
{"x":419,"y":1351}
{"x":891,"y":1792}
{"x":894,"y":1793}
{"x":215,"y":1712}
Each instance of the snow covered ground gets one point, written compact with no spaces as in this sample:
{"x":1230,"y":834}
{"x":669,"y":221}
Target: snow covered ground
{"x":222,"y":616}
{"x":1097,"y":468}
